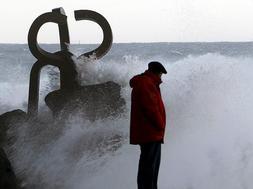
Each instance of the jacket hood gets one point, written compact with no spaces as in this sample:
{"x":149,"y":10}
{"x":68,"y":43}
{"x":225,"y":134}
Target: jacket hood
{"x":139,"y":78}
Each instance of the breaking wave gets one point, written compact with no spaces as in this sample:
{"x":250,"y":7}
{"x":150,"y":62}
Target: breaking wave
{"x":209,"y":136}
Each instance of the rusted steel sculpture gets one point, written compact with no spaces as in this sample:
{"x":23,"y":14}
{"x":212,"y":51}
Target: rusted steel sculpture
{"x":100,"y":100}
{"x":63,"y":58}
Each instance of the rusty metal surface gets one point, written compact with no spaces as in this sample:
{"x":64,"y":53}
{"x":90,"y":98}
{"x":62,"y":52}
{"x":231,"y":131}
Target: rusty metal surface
{"x":63,"y":58}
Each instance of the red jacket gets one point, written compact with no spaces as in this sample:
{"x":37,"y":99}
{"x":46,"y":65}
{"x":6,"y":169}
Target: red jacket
{"x":148,"y":117}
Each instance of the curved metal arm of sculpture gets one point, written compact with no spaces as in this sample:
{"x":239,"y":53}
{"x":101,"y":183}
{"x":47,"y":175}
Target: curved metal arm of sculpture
{"x":107,"y":32}
{"x":63,"y":30}
{"x":35,"y":49}
{"x":33,"y":99}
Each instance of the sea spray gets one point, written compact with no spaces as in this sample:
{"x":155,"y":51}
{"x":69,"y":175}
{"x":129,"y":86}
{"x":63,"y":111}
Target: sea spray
{"x":208,"y":144}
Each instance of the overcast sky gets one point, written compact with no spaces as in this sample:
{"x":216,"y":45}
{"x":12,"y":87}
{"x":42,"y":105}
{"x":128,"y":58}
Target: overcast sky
{"x":134,"y":20}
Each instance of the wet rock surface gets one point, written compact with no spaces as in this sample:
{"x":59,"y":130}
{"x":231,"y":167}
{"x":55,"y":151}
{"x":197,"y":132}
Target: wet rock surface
{"x":8,"y":179}
{"x":7,"y":119}
{"x":92,"y":102}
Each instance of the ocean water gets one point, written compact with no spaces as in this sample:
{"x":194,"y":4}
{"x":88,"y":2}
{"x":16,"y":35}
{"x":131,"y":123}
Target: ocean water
{"x":208,"y":95}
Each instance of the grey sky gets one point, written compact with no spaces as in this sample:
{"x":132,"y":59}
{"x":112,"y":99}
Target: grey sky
{"x":134,"y":20}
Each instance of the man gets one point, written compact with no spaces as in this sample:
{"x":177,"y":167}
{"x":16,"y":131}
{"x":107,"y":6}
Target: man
{"x":147,"y":123}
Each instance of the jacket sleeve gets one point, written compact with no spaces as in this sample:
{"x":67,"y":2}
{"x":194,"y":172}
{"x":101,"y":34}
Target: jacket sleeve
{"x":149,"y":102}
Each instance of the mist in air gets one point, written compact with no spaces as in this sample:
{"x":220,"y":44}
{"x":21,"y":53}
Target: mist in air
{"x":209,"y":138}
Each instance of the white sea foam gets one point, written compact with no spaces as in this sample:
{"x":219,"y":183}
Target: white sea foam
{"x":208,"y":143}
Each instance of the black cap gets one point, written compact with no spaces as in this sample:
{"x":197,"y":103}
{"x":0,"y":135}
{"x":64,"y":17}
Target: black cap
{"x":156,"y":67}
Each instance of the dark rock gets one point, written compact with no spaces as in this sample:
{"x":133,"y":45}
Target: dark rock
{"x":10,"y":118}
{"x":7,"y":177}
{"x":93,"y":101}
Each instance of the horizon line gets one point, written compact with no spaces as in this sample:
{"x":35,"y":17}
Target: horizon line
{"x":13,"y":43}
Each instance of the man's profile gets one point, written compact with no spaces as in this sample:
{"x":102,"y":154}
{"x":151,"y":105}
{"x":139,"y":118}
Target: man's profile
{"x":147,"y":123}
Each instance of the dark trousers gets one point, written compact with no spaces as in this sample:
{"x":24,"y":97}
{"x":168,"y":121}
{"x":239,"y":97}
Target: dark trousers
{"x":149,"y":164}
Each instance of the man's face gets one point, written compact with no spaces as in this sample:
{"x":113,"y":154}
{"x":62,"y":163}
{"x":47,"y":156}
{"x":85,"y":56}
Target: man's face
{"x":160,"y":74}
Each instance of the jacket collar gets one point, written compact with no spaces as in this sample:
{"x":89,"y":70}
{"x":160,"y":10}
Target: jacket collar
{"x":153,"y":76}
